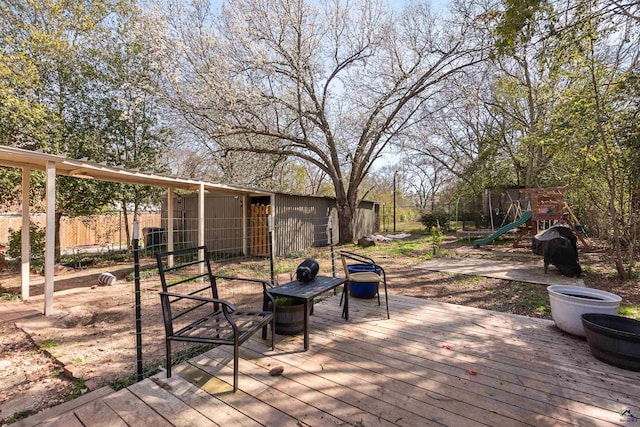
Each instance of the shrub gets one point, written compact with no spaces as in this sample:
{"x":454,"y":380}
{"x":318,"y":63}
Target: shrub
{"x":436,"y":238}
{"x":36,"y":237}
{"x":435,"y":219}
{"x":6,"y":295}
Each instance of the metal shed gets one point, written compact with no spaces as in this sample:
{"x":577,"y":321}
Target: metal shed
{"x":237,"y":224}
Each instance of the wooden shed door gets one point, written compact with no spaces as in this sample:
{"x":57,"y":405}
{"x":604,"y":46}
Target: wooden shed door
{"x":259,"y":226}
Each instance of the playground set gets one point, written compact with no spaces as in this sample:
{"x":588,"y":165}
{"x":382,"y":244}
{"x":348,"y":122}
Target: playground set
{"x":539,"y":209}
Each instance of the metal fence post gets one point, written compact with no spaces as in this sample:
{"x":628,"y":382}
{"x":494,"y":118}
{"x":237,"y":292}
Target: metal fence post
{"x":136,"y":273}
{"x":333,"y":259}
{"x":271,"y":257}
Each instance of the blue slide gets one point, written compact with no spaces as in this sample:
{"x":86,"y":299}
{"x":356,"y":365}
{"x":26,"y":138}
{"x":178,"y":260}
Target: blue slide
{"x":526,"y":216}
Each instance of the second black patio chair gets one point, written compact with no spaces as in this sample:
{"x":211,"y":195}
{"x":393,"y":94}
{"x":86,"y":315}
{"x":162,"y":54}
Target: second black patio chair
{"x":361,"y":269}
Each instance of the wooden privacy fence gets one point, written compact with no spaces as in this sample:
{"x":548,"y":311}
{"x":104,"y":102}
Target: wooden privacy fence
{"x":83,"y":231}
{"x":259,"y":230}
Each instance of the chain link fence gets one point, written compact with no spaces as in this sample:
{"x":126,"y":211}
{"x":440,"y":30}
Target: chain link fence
{"x":238,"y":246}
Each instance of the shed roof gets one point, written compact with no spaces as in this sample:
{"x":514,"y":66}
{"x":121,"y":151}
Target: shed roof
{"x":37,"y":160}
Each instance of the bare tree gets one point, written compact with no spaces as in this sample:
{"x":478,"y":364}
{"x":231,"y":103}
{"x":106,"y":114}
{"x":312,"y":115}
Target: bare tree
{"x":462,"y":138}
{"x":424,"y":178}
{"x":332,"y":83}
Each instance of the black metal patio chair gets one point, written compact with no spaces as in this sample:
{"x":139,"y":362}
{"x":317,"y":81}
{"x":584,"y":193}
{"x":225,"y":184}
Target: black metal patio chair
{"x":362,"y":269}
{"x":197,"y":309}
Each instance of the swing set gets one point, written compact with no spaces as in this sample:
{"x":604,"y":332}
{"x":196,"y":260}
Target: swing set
{"x":548,"y":207}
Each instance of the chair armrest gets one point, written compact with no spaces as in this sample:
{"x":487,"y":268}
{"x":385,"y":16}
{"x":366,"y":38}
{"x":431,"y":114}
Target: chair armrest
{"x":227,"y":308}
{"x":224,"y":303}
{"x":263,"y":282}
{"x":267,"y":297}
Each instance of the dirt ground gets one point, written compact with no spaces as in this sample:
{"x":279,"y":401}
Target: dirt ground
{"x":93,"y":332}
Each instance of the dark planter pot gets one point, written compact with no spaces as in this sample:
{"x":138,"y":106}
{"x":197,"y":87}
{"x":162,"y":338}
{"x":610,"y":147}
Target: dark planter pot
{"x":613,"y":339}
{"x":290,"y":319}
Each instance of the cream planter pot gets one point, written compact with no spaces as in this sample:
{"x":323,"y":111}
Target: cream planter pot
{"x":569,"y":303}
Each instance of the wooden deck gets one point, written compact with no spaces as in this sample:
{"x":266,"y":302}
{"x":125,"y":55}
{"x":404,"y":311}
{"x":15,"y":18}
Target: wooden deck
{"x":431,"y":364}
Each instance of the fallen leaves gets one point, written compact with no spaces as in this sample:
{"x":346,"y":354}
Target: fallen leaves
{"x":450,"y":347}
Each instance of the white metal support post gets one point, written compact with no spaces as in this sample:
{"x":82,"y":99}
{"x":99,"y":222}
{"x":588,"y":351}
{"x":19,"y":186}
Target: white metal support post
{"x":170,"y":203}
{"x":201,"y":254}
{"x":272,"y":213}
{"x":25,"y":252}
{"x":50,"y":233}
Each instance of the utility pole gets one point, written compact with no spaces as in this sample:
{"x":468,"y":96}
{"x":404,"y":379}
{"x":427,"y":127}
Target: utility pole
{"x":395,"y":176}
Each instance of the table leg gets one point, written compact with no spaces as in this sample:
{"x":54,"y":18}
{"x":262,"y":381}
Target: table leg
{"x":306,"y":324}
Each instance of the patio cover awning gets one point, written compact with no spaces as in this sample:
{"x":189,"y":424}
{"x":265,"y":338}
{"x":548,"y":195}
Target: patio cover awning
{"x":35,"y":160}
{"x":54,"y":165}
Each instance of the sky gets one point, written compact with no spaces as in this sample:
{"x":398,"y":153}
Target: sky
{"x":435,"y":4}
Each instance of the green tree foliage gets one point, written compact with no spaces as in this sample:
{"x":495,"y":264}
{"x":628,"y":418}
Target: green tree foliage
{"x":50,"y":44}
{"x":36,"y":239}
{"x":588,"y":52}
{"x":72,"y":83}
{"x":515,"y":23}
{"x":556,"y":104}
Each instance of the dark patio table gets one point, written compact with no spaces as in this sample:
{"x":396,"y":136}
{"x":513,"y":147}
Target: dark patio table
{"x":307,"y":292}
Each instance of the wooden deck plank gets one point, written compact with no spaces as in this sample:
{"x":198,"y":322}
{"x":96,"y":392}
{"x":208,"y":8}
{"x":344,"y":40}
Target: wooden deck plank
{"x":538,"y":366}
{"x":299,"y":384}
{"x":133,"y":410}
{"x":418,"y":334}
{"x":303,"y":403}
{"x":248,"y":404}
{"x":485,"y":322}
{"x":360,"y":415}
{"x":430,"y":407}
{"x":418,"y":345}
{"x":64,"y":408}
{"x":458,"y":388}
{"x":444,"y":364}
{"x":547,"y":336}
{"x":67,"y":419}
{"x":169,"y":406}
{"x":412,"y":390}
{"x":207,"y":404}
{"x":98,"y":414}
{"x":535,"y":366}
{"x":370,"y":371}
{"x":295,"y":381}
{"x":497,"y":325}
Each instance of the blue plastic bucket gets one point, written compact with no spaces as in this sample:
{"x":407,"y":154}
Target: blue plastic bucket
{"x":363,"y":290}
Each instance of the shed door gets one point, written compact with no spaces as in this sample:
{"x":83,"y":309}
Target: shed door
{"x":259,"y":229}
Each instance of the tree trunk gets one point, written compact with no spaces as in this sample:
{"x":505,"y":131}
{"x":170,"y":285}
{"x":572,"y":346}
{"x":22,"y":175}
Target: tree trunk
{"x":345,"y":220}
{"x":57,"y":251}
{"x":127,"y":232}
